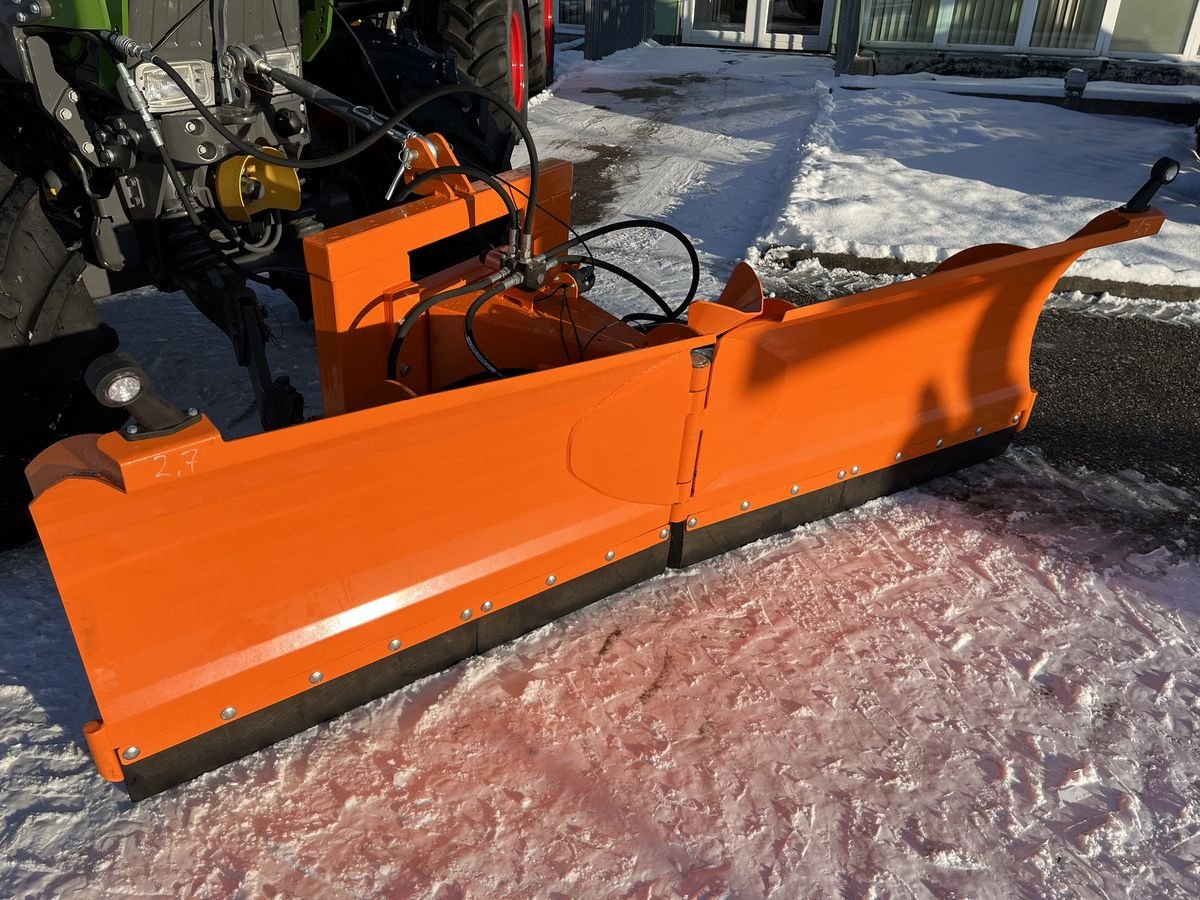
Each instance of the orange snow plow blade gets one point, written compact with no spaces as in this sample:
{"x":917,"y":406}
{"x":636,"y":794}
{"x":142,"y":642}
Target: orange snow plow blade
{"x":226,"y":594}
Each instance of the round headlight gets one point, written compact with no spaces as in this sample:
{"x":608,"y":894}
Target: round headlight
{"x":123,"y":389}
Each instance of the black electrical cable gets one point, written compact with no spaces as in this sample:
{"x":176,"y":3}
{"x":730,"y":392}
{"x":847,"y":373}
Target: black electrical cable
{"x":179,"y":23}
{"x":372,"y":137}
{"x":628,"y":276}
{"x":411,"y":317}
{"x":565,"y":224}
{"x":370,"y":64}
{"x":496,"y":184}
{"x":657,"y":226}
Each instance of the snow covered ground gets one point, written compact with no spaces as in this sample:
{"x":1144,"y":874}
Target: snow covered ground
{"x":987,"y":687}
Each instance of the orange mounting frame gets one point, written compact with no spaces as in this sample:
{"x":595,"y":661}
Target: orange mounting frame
{"x":217,"y":588}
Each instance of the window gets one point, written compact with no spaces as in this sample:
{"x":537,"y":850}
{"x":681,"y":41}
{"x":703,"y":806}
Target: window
{"x":909,"y":21}
{"x":1067,"y":24}
{"x":985,"y":22}
{"x":570,"y":12}
{"x":1158,"y":27}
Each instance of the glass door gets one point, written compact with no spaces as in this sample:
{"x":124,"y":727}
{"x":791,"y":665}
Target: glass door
{"x":795,"y":24}
{"x":724,"y":22}
{"x":771,"y":24}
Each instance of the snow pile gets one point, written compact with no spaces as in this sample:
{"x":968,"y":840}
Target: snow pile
{"x":919,"y":175}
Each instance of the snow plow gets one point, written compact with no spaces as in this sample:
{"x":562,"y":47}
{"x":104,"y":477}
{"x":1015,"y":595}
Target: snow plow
{"x":497,"y":451}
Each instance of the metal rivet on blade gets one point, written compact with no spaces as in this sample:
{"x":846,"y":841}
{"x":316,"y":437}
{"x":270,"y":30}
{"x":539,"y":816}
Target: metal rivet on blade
{"x":395,"y":644}
{"x":487,"y":606}
{"x":1016,"y":418}
{"x":841,"y":474}
{"x":131,"y":429}
{"x":316,"y":677}
{"x":552,"y":579}
{"x":610,"y":555}
{"x":692,"y":522}
{"x":795,"y":488}
{"x":745,"y":505}
{"x":663,"y":534}
{"x":940,"y":443}
{"x":193,"y":412}
{"x":228,"y":712}
{"x":899,"y":456}
{"x":854,"y":470}
{"x":132,"y":752}
{"x":979,"y":430}
{"x":465,"y":614}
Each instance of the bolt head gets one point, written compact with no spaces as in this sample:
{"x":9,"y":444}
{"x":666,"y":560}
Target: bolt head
{"x":395,"y":644}
{"x":316,"y":677}
{"x":940,"y":443}
{"x":841,"y":474}
{"x":551,"y":579}
{"x":73,"y":95}
{"x":228,"y":713}
{"x":664,"y":533}
{"x":610,"y":555}
{"x":854,"y":470}
{"x":36,"y":10}
{"x":22,"y":18}
{"x":131,"y":429}
{"x":795,"y":489}
{"x":131,"y":752}
{"x":899,"y":455}
{"x":465,"y":614}
{"x":692,"y":522}
{"x":487,"y":606}
{"x":1016,"y":418}
{"x":979,"y":430}
{"x":745,"y":505}
{"x":193,"y":412}
{"x":65,"y":114}
{"x":88,"y":147}
{"x":406,"y":369}
{"x":191,"y":126}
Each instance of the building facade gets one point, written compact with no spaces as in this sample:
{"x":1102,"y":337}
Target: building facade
{"x":967,"y":36}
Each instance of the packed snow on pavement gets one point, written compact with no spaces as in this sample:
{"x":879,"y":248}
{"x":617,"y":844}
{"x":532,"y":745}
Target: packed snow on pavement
{"x":984,"y":687}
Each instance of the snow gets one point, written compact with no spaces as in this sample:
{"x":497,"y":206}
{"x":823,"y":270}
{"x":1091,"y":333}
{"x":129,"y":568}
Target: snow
{"x":984,"y":687}
{"x":1030,"y":86}
{"x":975,"y":170}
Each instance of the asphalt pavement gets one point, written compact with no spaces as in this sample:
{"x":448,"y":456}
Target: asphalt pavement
{"x":1118,"y":393}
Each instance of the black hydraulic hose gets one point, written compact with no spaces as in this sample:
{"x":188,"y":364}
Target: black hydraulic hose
{"x":411,"y":317}
{"x":657,"y":226}
{"x":316,"y":95}
{"x":662,"y":304}
{"x":514,"y":214}
{"x":469,"y":328}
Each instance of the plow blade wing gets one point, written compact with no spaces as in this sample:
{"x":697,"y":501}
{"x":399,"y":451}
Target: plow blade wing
{"x":225,"y":594}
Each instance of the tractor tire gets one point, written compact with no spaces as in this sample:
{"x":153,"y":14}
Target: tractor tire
{"x":541,"y":55}
{"x":491,"y":40}
{"x":49,"y":332}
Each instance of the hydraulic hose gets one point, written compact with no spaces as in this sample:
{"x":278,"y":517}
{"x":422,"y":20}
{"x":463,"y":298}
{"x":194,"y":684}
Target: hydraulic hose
{"x":514,"y":214}
{"x":469,"y":328}
{"x":642,"y":223}
{"x":502,"y":278}
{"x":662,"y":304}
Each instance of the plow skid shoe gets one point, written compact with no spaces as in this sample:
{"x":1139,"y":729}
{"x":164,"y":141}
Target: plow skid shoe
{"x":225,"y":594}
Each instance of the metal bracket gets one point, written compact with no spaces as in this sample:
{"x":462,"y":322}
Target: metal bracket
{"x":59,"y":99}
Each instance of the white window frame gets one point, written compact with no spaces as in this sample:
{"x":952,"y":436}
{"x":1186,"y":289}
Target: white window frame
{"x":1022,"y":44}
{"x":564,"y":29}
